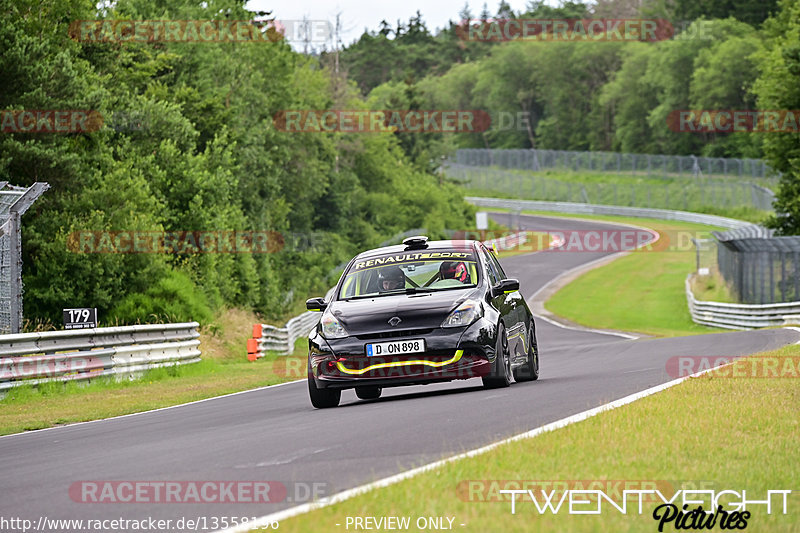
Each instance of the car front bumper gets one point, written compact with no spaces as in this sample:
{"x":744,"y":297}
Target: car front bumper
{"x":451,"y":353}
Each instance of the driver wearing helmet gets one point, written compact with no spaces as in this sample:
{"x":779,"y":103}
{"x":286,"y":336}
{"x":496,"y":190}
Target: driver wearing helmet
{"x":390,"y":279}
{"x":456,"y":270}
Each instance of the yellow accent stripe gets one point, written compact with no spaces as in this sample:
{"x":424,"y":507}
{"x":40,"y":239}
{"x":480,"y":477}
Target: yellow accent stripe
{"x":453,"y":359}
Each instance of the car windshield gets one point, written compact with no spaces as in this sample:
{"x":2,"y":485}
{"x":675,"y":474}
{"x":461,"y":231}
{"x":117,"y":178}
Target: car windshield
{"x":410,"y":272}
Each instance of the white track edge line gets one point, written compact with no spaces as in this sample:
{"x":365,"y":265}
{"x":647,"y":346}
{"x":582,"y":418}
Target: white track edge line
{"x":391,"y":480}
{"x":587,"y":330}
{"x":73,"y":424}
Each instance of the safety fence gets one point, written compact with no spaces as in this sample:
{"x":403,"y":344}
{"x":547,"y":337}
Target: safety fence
{"x":740,"y":316}
{"x":688,"y":194}
{"x":14,"y":202}
{"x":589,"y":209}
{"x":760,"y":270}
{"x":648,"y":165}
{"x":33,"y":358}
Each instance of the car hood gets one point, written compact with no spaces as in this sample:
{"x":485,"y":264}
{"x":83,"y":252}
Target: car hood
{"x":415,"y":311}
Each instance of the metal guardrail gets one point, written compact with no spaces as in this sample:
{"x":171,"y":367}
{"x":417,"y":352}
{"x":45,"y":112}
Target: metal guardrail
{"x":509,"y":241}
{"x":33,"y":358}
{"x":268,"y":338}
{"x":591,"y":209}
{"x":740,"y":316}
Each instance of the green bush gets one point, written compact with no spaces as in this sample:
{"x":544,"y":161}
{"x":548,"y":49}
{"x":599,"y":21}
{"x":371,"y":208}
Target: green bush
{"x":173,"y":298}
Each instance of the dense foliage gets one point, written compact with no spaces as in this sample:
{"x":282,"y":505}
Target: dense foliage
{"x":779,"y":88}
{"x":605,"y":96}
{"x":202,"y":153}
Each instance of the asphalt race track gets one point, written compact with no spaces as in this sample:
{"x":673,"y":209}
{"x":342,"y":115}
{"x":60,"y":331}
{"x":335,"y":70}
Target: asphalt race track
{"x":275,"y":434}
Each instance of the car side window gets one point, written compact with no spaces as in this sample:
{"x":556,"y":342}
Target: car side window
{"x":494,"y":276}
{"x":497,"y":266}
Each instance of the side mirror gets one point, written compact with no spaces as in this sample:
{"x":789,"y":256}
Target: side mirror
{"x":316,"y":304}
{"x":505,"y":286}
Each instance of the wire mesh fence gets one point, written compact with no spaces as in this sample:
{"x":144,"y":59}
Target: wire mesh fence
{"x":14,"y":201}
{"x":687,"y":194}
{"x":649,"y":165}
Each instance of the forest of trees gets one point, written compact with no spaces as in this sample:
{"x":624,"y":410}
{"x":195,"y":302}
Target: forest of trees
{"x":604,"y":96}
{"x":208,"y":157}
{"x":578,"y":95}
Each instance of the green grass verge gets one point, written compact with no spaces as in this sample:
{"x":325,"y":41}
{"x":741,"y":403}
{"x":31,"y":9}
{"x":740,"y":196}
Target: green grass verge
{"x":712,"y":288}
{"x":711,"y":433}
{"x":715,"y":197}
{"x":223,"y":370}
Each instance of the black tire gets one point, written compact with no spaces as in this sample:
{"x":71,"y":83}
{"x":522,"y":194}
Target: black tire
{"x":323,"y":398}
{"x":500,"y":375}
{"x":369,"y":393}
{"x":530,"y":370}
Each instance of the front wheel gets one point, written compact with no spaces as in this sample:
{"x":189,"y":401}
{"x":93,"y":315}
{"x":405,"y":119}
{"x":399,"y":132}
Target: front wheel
{"x":323,"y":398}
{"x":530,"y":370}
{"x":500,"y":375}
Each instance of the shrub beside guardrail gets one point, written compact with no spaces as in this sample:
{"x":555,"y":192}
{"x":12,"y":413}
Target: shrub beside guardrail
{"x":33,"y":358}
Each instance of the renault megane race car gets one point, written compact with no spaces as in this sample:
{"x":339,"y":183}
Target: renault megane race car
{"x":421,"y":312}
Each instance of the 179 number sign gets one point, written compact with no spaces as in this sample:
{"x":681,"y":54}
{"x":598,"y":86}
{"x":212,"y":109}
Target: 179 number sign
{"x":80,"y":318}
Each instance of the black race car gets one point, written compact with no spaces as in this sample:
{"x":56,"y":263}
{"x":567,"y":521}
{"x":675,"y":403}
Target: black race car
{"x":419,"y":313}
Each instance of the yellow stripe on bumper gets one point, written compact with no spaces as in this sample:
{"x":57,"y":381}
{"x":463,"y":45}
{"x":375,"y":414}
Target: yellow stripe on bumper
{"x":435,"y":364}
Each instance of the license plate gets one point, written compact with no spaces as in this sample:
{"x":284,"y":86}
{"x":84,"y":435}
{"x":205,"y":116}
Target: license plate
{"x":395,"y":347}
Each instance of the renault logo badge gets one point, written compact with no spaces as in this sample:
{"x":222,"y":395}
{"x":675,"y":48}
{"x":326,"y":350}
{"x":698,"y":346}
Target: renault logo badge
{"x":394,"y":321}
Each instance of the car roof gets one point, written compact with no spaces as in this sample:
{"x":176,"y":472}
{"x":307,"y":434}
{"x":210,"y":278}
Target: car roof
{"x":454,"y":245}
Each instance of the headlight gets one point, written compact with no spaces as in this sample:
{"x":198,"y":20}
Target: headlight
{"x":464,"y":315}
{"x":331,"y":327}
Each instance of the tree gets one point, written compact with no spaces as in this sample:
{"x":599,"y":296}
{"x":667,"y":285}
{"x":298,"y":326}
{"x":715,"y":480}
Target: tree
{"x":504,"y":11}
{"x":778,"y":87}
{"x":753,"y":12}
